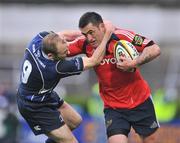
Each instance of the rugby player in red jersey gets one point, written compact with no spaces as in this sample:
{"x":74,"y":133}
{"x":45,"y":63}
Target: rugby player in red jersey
{"x":126,"y":95}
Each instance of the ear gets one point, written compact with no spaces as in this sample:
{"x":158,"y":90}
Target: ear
{"x":50,"y":56}
{"x":102,"y":26}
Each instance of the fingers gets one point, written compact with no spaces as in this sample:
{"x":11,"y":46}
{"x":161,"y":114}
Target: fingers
{"x":124,"y":64}
{"x":122,"y":58}
{"x":109,"y":26}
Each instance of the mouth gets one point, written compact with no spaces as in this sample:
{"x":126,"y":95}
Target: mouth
{"x":93,"y":42}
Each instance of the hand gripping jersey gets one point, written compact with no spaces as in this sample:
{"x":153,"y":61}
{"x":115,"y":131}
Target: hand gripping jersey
{"x":39,"y":75}
{"x":118,"y":89}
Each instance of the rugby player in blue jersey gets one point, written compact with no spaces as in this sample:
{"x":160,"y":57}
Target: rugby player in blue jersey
{"x":43,"y":66}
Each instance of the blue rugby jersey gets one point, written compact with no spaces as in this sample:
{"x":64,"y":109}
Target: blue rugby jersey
{"x":39,"y":75}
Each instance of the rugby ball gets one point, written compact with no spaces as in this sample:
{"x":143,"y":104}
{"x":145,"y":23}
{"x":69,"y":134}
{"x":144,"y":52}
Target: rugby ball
{"x":125,"y":49}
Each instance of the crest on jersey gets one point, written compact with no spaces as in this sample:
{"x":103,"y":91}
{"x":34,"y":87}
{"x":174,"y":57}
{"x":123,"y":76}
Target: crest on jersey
{"x":138,"y":40}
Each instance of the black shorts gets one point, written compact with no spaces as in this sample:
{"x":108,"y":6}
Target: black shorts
{"x":142,"y":118}
{"x":41,"y":117}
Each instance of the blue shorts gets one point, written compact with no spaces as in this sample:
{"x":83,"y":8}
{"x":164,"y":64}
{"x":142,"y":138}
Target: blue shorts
{"x":41,"y":117}
{"x":142,"y":118}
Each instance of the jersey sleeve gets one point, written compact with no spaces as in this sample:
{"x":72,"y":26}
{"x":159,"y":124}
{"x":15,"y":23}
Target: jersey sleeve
{"x":76,"y":47}
{"x":70,"y":67}
{"x":139,"y":41}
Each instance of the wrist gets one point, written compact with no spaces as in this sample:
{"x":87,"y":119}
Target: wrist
{"x":107,"y":35}
{"x":135,"y":63}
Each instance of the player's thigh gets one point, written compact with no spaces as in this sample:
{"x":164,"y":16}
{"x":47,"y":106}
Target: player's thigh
{"x":143,"y":119}
{"x":71,"y":117}
{"x":62,"y":135}
{"x":116,"y":123}
{"x":118,"y":139}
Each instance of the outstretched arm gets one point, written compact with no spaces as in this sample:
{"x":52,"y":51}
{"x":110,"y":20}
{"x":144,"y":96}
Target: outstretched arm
{"x":69,"y":35}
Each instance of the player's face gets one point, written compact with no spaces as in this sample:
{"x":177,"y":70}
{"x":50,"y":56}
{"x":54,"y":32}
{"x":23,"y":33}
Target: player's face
{"x":93,"y":33}
{"x":62,"y":50}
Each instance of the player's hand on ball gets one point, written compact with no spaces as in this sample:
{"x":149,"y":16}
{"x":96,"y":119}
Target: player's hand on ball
{"x":126,"y":64}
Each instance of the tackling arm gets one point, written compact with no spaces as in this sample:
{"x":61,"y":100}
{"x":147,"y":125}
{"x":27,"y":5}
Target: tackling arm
{"x":69,"y":35}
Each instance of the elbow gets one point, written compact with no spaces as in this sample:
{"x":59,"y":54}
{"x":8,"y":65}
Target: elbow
{"x":158,"y":50}
{"x":97,"y":61}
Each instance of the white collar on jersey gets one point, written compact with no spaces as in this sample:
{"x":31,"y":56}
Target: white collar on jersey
{"x":44,"y":55}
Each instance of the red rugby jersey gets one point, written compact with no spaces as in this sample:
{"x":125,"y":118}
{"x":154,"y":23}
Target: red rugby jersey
{"x":118,"y":89}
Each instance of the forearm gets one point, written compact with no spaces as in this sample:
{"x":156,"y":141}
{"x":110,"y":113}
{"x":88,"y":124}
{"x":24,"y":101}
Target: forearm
{"x":148,"y":54}
{"x":100,"y":50}
{"x":70,"y":35}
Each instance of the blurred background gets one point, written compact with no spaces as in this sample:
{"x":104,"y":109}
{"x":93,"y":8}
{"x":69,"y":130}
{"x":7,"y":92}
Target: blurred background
{"x":159,"y":20}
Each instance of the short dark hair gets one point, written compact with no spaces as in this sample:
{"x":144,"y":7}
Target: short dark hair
{"x":49,"y":43}
{"x":90,"y":17}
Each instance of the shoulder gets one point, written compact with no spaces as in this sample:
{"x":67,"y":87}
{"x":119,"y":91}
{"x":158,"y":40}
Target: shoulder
{"x":124,"y":33}
{"x":39,"y":36}
{"x":79,"y":40}
{"x":44,"y":33}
